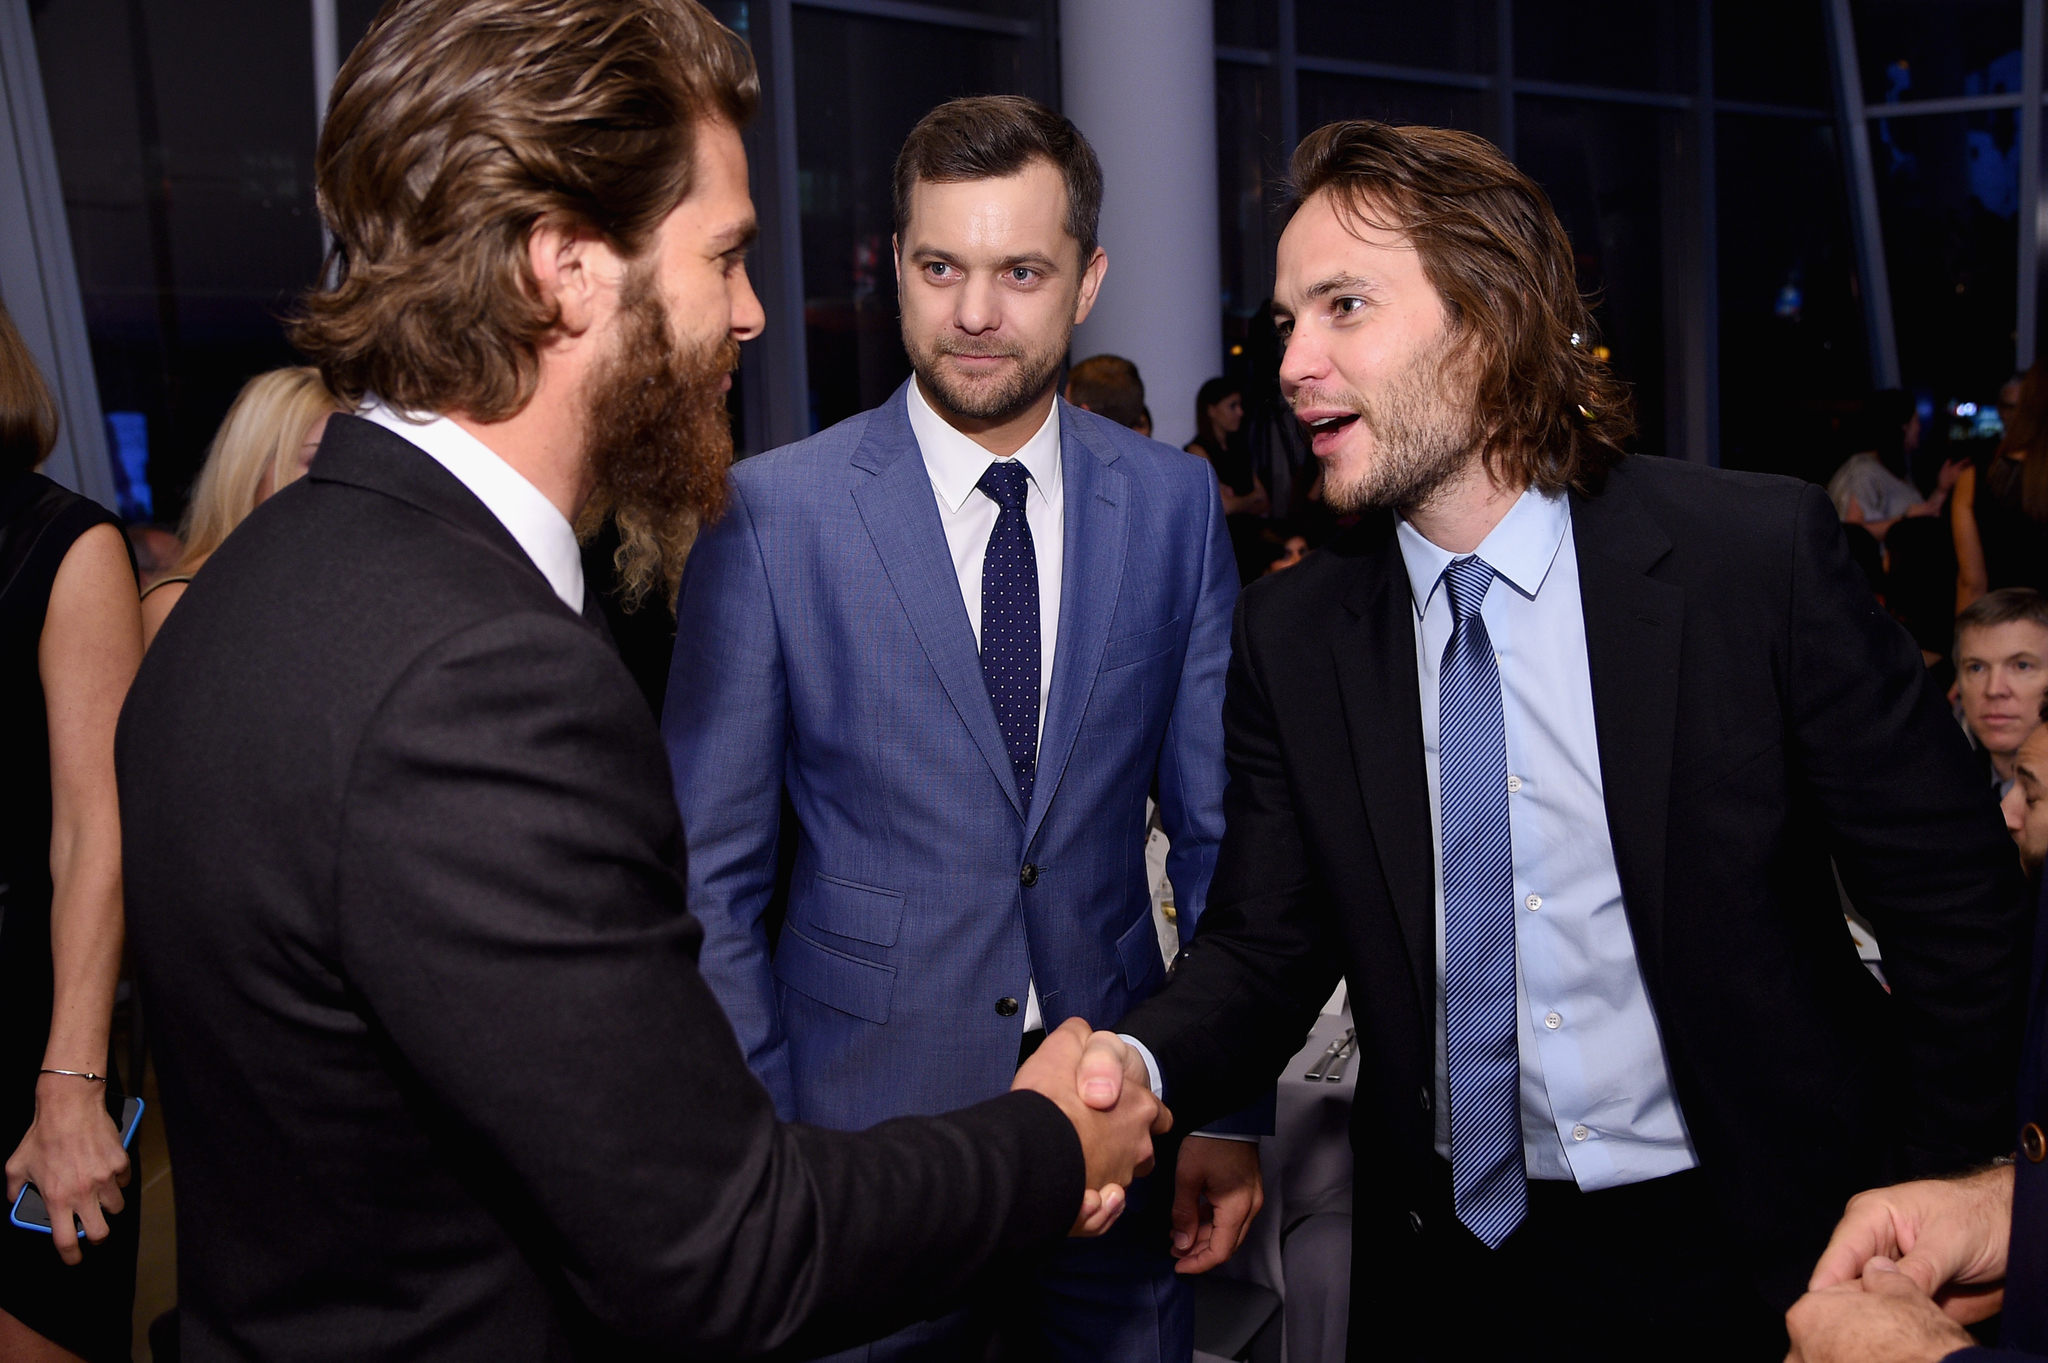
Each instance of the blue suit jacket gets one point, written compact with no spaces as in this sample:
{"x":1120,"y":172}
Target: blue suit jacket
{"x":823,"y":650}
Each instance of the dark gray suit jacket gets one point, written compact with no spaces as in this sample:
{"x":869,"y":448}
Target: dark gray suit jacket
{"x":440,"y":1075}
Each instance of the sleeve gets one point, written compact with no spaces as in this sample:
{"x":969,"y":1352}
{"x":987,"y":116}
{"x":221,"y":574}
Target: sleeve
{"x":1191,"y":772}
{"x":1920,"y":846}
{"x":510,"y":914}
{"x":1248,"y":988}
{"x":724,"y":722}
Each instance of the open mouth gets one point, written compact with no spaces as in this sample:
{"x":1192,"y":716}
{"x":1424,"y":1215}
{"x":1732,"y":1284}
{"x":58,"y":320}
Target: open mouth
{"x":1330,"y":424}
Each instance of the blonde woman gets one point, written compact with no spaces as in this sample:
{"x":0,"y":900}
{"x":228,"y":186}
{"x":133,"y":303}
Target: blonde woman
{"x":267,"y":440}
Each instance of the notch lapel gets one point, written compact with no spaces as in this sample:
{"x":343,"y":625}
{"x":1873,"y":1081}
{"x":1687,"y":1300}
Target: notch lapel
{"x":901,"y":514}
{"x":1374,"y":648}
{"x":1092,"y":574}
{"x":1634,"y":631}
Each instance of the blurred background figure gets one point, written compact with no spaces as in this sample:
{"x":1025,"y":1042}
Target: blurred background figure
{"x":2002,"y":674}
{"x":2026,"y":803}
{"x":70,"y":639}
{"x":1109,"y":386}
{"x":266,"y":441}
{"x":1219,"y":419}
{"x":1873,"y":487}
{"x":2001,"y":509}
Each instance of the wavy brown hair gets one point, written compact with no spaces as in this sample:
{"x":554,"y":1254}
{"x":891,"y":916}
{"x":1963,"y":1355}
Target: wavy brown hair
{"x":455,"y":127}
{"x":1554,"y":416}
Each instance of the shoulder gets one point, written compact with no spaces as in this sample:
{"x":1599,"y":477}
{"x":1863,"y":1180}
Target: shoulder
{"x":1141,"y":458}
{"x":1303,"y":602}
{"x":797,"y":466}
{"x":1684,"y":496}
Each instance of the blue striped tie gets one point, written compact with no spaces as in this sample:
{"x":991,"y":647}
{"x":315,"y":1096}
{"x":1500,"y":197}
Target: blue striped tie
{"x":1489,"y":1187}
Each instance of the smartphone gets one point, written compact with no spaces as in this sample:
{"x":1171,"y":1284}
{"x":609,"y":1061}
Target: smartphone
{"x":29,"y":1212}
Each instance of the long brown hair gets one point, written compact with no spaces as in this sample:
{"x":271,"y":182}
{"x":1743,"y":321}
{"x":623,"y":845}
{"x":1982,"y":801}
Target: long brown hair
{"x":2026,"y":438}
{"x":456,"y":126}
{"x":1555,"y":416}
{"x":28,"y":414}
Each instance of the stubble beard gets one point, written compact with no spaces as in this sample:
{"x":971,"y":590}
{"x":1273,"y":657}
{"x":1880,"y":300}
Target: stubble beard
{"x":1422,"y":438}
{"x":997,"y":399}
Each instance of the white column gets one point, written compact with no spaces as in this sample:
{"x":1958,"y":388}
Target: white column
{"x":1138,"y":78}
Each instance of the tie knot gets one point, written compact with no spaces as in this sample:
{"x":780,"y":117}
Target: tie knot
{"x":1005,"y":482}
{"x":1466,"y":579}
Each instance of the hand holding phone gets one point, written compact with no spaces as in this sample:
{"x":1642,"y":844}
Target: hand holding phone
{"x":30,"y":1213}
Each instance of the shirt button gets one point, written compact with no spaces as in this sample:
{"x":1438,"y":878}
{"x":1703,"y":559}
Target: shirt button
{"x":1580,"y":1133}
{"x":1425,"y":1100}
{"x":1534,"y":901}
{"x":1029,"y":875}
{"x":1006,"y":1008}
{"x":1415,"y":1222}
{"x":1514,"y":785}
{"x":1552,"y":1021}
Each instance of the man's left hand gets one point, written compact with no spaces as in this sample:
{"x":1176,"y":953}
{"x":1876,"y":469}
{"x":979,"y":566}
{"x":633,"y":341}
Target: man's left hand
{"x":1216,"y":1193}
{"x":1881,"y":1317}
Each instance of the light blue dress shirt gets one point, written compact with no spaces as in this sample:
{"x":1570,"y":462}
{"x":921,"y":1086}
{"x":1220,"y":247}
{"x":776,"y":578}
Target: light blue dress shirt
{"x":1597,"y":1101}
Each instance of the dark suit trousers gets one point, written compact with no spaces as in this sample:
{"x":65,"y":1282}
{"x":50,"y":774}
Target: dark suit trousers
{"x":1642,"y":1271}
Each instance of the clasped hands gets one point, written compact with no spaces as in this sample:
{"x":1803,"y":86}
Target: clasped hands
{"x":1906,"y":1269}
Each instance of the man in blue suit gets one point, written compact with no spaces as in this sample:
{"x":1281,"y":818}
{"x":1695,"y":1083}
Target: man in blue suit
{"x":966,"y":635}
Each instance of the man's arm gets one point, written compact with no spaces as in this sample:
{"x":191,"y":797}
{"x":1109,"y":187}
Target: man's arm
{"x":725,"y":722}
{"x":511,"y":917}
{"x":1920,"y":847}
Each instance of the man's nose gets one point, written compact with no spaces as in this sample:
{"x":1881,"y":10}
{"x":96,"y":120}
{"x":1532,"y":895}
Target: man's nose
{"x":978,"y":309}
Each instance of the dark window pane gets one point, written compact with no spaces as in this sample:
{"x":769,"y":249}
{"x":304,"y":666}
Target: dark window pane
{"x":1249,"y":171}
{"x":1947,"y":196}
{"x":861,"y":84}
{"x":189,"y":199}
{"x":1793,"y":352}
{"x":1247,"y":23}
{"x":1327,"y":99}
{"x":1605,"y":168}
{"x":1770,"y":52}
{"x":1910,"y":49}
{"x":1453,"y":35}
{"x":1622,"y":43}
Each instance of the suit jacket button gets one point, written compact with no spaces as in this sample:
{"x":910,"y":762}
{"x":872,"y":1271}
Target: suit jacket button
{"x":1029,"y":875}
{"x":1425,"y":1098}
{"x":1415,"y":1222}
{"x":2033,"y":1142}
{"x":1006,"y":1008}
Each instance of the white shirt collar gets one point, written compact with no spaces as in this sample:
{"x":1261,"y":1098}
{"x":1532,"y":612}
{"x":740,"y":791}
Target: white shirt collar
{"x":955,"y":463}
{"x":1520,"y":549}
{"x":535,"y":522}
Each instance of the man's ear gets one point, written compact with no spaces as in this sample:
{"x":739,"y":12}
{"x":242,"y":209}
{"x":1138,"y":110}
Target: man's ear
{"x":1091,"y":284}
{"x":576,"y":270}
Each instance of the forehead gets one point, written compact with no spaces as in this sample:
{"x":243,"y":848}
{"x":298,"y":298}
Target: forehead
{"x":2002,"y":641}
{"x":1027,"y":210}
{"x":1326,"y":239}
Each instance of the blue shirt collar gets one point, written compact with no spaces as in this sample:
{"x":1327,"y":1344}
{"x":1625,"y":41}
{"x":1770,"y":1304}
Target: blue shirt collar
{"x":1520,"y":549}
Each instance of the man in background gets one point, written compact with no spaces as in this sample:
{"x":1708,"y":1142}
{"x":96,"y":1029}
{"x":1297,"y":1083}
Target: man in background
{"x":1109,"y":386}
{"x":2002,"y":674}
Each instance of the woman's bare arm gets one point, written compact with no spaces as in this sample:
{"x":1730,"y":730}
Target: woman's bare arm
{"x":1972,"y":579}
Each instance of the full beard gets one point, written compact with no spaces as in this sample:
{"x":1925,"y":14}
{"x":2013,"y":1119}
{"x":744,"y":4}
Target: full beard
{"x":1422,"y":438}
{"x":997,"y":399}
{"x":660,"y":444}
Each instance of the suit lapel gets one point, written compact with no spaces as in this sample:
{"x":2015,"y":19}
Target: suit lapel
{"x":1091,"y":575}
{"x":1633,"y":634}
{"x":901,"y":514}
{"x":1375,"y":658}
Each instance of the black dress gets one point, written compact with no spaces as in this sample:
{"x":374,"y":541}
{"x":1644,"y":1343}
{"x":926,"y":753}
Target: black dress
{"x":1233,"y":465}
{"x":2015,"y":544}
{"x":86,"y":1309}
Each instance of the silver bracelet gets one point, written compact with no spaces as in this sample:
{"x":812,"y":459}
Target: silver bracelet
{"x":77,"y":1074}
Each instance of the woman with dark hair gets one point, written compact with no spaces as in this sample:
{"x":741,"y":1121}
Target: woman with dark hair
{"x":1219,"y":414}
{"x":2000,"y":513}
{"x":70,"y":640}
{"x":1873,"y":488}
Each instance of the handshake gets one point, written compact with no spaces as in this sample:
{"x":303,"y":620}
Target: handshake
{"x":1100,"y":1082}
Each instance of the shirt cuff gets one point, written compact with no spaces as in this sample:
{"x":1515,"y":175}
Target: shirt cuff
{"x":1224,"y":1136}
{"x":1151,"y":1065}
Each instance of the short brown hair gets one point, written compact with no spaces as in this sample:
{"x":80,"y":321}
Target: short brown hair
{"x":987,"y":137}
{"x":28,"y":414}
{"x":1109,"y":386}
{"x":2005,"y":606}
{"x":458,"y":125}
{"x":1490,"y":242}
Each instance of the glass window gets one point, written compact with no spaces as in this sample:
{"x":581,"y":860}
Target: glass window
{"x":1910,"y":49}
{"x":1769,"y":52}
{"x":1625,"y":44}
{"x":1453,"y":35}
{"x":1250,"y":173}
{"x":1793,"y":352}
{"x":1326,"y":99}
{"x":1248,"y":23}
{"x":1604,"y":167}
{"x":861,"y":84}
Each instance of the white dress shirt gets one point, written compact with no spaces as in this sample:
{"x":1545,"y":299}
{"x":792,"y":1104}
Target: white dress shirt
{"x":523,"y":509}
{"x":1597,"y":1102}
{"x":955,"y":465}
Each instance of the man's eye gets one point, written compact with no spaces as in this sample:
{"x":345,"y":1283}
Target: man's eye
{"x":1022,"y":275}
{"x":1348,"y":304}
{"x":937,"y":271}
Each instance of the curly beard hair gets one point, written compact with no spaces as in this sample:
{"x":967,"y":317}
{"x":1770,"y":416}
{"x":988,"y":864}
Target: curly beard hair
{"x":660,"y":444}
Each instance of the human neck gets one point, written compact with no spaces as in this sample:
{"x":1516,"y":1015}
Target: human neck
{"x":1460,"y":515}
{"x":544,"y":442}
{"x":1001,"y":438}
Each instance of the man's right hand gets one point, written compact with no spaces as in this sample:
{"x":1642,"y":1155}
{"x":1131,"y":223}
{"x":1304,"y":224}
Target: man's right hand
{"x":1116,"y":1128}
{"x":1948,"y":1235}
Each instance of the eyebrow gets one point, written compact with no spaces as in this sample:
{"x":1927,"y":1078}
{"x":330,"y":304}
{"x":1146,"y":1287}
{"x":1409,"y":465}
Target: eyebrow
{"x":733,"y":236}
{"x":1336,"y":284}
{"x":1035,"y":259}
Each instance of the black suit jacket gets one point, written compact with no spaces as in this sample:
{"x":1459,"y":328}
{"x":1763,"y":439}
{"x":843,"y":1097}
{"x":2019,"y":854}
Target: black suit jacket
{"x":440,"y":1076}
{"x":1757,"y":714}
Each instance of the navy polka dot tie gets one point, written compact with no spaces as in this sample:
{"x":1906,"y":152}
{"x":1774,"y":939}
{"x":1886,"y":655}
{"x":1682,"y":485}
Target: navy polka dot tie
{"x":1009,"y":619}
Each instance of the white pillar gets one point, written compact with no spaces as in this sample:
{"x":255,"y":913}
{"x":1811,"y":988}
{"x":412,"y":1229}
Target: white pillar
{"x":1138,"y":78}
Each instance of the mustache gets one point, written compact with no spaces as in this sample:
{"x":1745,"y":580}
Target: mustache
{"x":977,"y":352}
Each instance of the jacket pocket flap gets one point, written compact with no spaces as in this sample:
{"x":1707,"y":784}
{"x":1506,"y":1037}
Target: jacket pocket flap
{"x":1139,"y":948}
{"x":833,"y":978}
{"x":849,"y":909}
{"x":1136,"y":648}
